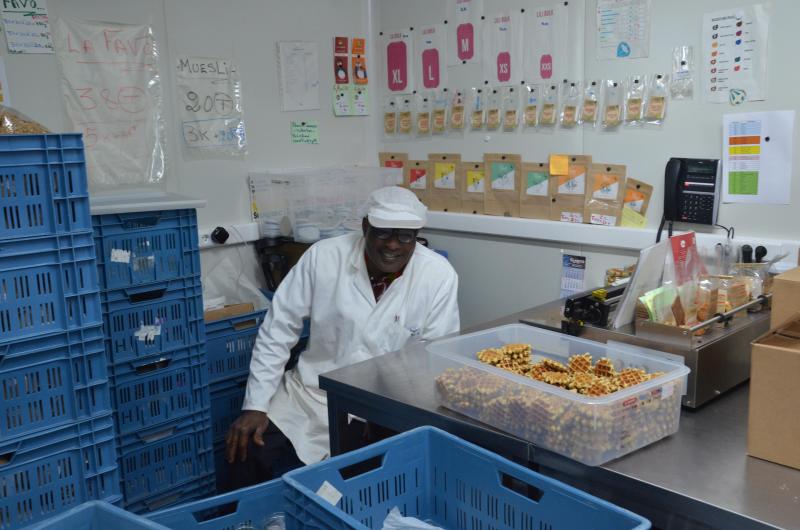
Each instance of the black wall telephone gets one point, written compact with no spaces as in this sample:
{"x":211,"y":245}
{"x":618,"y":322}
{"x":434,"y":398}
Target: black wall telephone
{"x":691,"y":190}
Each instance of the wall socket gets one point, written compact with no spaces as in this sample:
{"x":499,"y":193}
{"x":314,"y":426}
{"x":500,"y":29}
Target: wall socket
{"x":239,"y":233}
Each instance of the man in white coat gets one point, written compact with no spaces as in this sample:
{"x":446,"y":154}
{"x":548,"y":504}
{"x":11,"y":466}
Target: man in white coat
{"x":366,"y":295}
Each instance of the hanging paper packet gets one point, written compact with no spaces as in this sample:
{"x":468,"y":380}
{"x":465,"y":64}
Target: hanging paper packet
{"x":637,"y":196}
{"x":548,"y":116}
{"x":682,"y":85}
{"x":422,"y":121}
{"x":494,"y":107}
{"x":445,"y":193}
{"x":612,"y":105}
{"x":569,"y":187}
{"x":655,"y":106}
{"x":405,"y":121}
{"x":510,"y":109}
{"x":570,"y":102}
{"x":390,"y":118}
{"x":439,"y":112}
{"x":417,"y":179}
{"x":590,"y":105}
{"x":502,"y":184}
{"x":477,"y":114}
{"x":458,"y":103}
{"x":534,"y":196}
{"x":471,"y":178}
{"x":604,"y":204}
{"x":634,"y":100}
{"x":397,"y":161}
{"x":530,"y":111}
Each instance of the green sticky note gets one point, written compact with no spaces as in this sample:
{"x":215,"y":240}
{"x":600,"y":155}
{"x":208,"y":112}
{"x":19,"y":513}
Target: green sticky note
{"x":305,"y":132}
{"x":743,"y":182}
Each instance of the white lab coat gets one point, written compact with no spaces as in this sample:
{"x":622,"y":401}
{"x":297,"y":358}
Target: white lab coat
{"x":331,"y":286}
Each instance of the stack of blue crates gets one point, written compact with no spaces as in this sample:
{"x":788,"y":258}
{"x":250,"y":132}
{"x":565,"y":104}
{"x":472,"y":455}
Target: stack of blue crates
{"x":148,"y":264}
{"x":57,"y":446}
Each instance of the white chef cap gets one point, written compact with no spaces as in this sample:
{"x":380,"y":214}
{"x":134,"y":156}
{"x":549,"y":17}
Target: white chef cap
{"x":395,"y":207}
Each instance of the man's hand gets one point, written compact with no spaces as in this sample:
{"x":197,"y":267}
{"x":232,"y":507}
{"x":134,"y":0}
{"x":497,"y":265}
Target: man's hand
{"x":251,"y":423}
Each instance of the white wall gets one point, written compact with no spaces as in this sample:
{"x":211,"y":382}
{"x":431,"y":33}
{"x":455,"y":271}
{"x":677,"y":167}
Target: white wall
{"x":500,"y":275}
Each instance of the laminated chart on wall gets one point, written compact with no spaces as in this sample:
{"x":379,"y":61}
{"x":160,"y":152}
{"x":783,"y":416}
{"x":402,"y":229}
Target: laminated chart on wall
{"x":734,"y":61}
{"x":398,"y":53}
{"x":757,"y":157}
{"x":545,"y":43}
{"x":210,"y":109}
{"x":502,"y":49}
{"x":623,"y":29}
{"x":27,"y":26}
{"x":464,"y":31}
{"x":112,"y":92}
{"x":298,"y":67}
{"x":431,"y":59}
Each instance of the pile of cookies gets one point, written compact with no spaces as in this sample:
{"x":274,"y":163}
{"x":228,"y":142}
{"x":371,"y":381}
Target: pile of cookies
{"x":579,"y":375}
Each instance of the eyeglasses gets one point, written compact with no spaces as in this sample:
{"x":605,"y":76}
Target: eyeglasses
{"x":403,"y":235}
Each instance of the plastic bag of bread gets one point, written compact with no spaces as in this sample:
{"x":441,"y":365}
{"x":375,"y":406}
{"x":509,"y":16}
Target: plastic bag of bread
{"x":14,"y":122}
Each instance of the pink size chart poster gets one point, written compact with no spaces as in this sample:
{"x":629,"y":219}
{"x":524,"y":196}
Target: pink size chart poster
{"x":431,"y":60}
{"x":502,"y":54}
{"x":398,"y":52}
{"x":464,"y":31}
{"x":545,"y":43}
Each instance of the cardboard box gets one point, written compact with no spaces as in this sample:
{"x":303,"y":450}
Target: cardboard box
{"x":774,"y":425}
{"x":785,"y":297}
{"x":228,"y":311}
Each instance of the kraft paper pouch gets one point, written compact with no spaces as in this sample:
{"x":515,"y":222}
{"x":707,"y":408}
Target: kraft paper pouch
{"x":445,"y":193}
{"x":534,"y":195}
{"x":637,"y":196}
{"x":572,"y":183}
{"x":417,"y":179}
{"x":604,"y":202}
{"x":567,"y":209}
{"x":396,"y":161}
{"x":471,"y":178}
{"x":502,"y":184}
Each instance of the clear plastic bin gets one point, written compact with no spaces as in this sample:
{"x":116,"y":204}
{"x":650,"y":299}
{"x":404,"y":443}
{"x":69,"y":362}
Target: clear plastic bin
{"x":591,"y":430}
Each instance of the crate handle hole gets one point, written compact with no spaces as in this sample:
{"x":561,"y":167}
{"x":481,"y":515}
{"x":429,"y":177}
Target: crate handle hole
{"x":361,"y":468}
{"x":147,"y":296}
{"x":215,"y":512}
{"x":154,"y":366}
{"x":521,"y":487}
{"x":238,"y":326}
{"x":6,"y":458}
{"x":156,"y":436}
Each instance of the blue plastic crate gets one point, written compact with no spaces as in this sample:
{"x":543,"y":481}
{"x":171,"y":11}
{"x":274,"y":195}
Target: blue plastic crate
{"x":226,"y":405}
{"x":97,"y":515}
{"x":52,"y":387}
{"x":159,"y":389}
{"x":47,"y":284}
{"x":245,"y":508}
{"x":43,"y":188}
{"x":145,"y":247}
{"x":229,"y":344}
{"x":434,"y":476}
{"x":156,"y":461}
{"x":56,"y":470}
{"x":200,"y":488}
{"x":147,"y":320}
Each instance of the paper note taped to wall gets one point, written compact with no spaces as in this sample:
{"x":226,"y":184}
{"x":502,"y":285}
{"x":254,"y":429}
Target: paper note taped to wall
{"x":633,"y":219}
{"x":305,"y":132}
{"x":559,"y":164}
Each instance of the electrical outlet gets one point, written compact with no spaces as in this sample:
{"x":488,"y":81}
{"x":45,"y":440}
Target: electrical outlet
{"x":239,"y":233}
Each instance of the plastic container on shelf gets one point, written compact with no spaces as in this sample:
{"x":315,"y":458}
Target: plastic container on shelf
{"x":153,"y":319}
{"x":48,"y":284}
{"x":200,"y":488}
{"x":145,"y":247}
{"x":251,"y":507}
{"x":436,"y":477}
{"x":156,"y":461}
{"x":159,"y":388}
{"x":229,"y":345}
{"x":52,"y":471}
{"x":97,"y":515}
{"x":50,"y":387}
{"x":43,"y":187}
{"x":591,"y":430}
{"x":226,"y":405}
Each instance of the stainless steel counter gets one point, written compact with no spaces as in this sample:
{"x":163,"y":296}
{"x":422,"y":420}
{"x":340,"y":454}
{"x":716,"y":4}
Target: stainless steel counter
{"x":699,"y":478}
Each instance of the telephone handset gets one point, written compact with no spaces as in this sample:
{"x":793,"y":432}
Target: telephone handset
{"x":691,"y":191}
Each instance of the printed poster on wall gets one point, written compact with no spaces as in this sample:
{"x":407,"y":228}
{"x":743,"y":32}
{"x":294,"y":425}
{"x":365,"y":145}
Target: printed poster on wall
{"x":734,"y":61}
{"x":430,"y":55}
{"x":210,"y":107}
{"x":502,"y":53}
{"x":464,"y":31}
{"x":623,"y":29}
{"x":545,"y":43}
{"x":112,"y":93}
{"x":398,"y":51}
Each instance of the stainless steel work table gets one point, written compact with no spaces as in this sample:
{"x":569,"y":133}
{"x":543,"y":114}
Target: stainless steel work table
{"x":699,"y":478}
